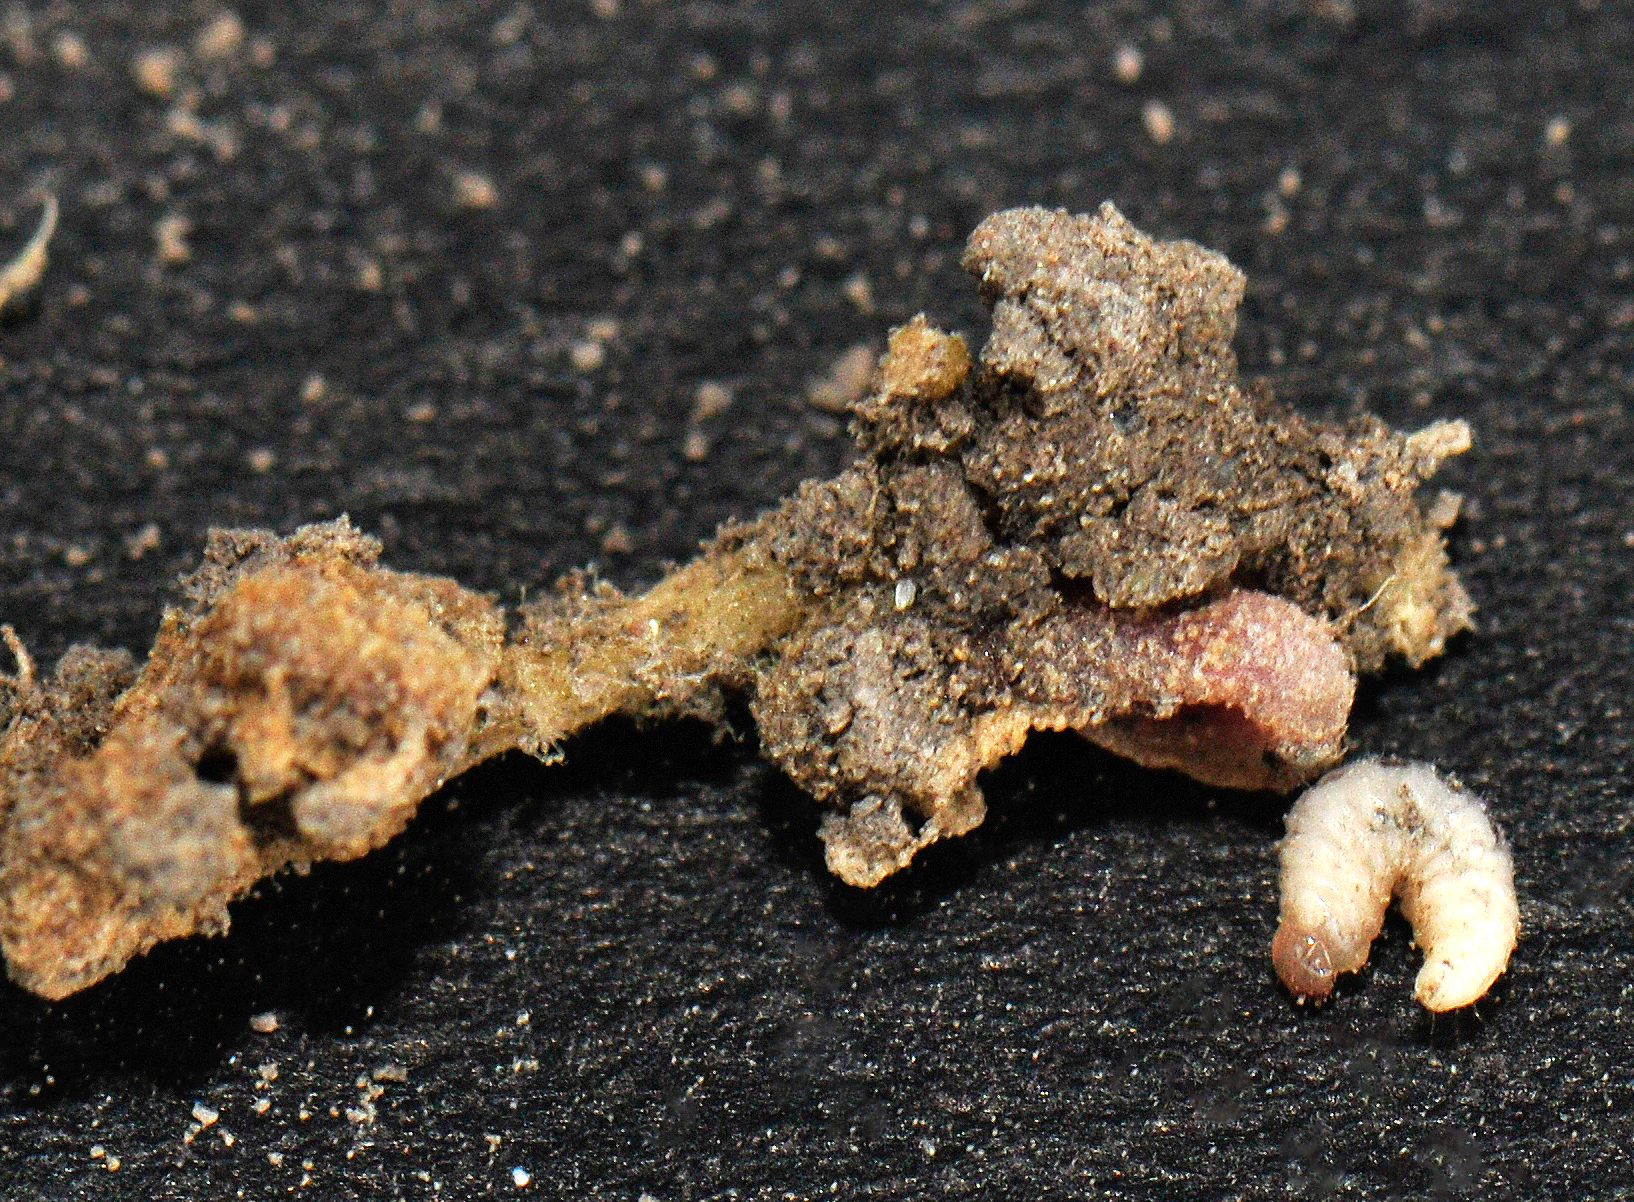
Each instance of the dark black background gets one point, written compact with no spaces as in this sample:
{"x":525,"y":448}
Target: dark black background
{"x":630,"y":974}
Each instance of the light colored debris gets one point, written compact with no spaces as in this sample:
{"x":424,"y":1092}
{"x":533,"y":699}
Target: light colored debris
{"x":846,"y":382}
{"x":28,"y":265}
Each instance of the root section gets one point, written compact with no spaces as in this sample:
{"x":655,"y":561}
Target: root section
{"x":1091,"y":526}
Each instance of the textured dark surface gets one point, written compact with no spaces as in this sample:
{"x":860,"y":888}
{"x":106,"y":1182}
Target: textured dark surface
{"x":629,"y":974}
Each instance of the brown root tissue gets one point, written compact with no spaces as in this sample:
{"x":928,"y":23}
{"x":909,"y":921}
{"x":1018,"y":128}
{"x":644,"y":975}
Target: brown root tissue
{"x":1093,"y":526}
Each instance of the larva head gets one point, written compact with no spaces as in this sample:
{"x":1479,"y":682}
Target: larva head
{"x":1304,"y":962}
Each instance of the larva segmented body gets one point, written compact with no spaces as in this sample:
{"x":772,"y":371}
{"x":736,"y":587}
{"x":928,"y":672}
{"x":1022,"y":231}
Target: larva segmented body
{"x":1371,"y":831}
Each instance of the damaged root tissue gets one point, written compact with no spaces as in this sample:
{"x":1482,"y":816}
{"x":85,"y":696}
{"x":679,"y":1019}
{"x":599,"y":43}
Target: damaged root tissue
{"x":1091,"y":526}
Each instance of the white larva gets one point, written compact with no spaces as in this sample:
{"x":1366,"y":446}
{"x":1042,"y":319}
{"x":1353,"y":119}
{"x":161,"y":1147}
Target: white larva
{"x":1371,"y":831}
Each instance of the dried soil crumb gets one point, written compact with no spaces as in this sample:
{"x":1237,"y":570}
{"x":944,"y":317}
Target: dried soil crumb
{"x":846,"y":382}
{"x":1159,"y":122}
{"x":474,"y":190}
{"x":1090,"y":526}
{"x":1127,"y":64}
{"x":155,"y":70}
{"x":221,"y":37}
{"x":70,"y":50}
{"x":170,"y":238}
